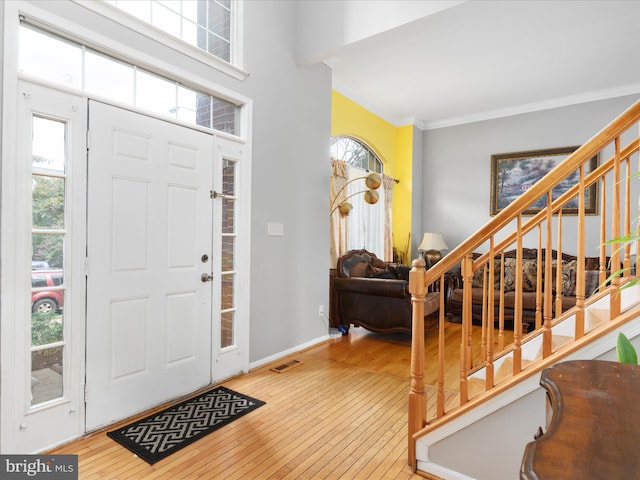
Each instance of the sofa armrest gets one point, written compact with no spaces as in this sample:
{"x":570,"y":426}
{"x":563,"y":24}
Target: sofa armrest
{"x":372,"y":286}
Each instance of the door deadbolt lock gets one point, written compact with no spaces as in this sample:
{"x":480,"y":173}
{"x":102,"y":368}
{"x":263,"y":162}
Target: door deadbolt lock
{"x":205,"y":277}
{"x":204,"y":258}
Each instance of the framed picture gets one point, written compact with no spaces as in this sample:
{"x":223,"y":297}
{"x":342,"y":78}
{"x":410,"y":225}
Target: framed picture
{"x":513,"y":173}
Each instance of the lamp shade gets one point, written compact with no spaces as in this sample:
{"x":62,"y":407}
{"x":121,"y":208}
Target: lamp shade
{"x":432,"y":241}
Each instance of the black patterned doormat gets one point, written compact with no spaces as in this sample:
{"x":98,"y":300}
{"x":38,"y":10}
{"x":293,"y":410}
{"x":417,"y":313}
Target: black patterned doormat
{"x":161,"y":434}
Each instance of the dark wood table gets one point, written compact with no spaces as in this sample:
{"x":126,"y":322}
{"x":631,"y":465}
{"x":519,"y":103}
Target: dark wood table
{"x":593,"y":423}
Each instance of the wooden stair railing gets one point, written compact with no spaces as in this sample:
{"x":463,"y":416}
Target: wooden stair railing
{"x":510,"y":229}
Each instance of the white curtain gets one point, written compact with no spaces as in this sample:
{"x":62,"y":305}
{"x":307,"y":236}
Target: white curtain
{"x":366,"y":223}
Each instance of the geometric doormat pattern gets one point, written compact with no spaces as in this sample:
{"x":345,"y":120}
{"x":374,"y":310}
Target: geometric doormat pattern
{"x":165,"y":432}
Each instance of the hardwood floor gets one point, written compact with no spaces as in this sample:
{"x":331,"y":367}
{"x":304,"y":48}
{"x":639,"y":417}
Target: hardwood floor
{"x":341,"y":413}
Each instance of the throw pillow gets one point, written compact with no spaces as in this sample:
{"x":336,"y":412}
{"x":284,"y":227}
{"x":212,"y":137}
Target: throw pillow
{"x":479,"y":275}
{"x":568,"y":285}
{"x":378,"y":263}
{"x":509,"y":275}
{"x":529,"y":275}
{"x":360,"y":269}
{"x":380,"y":273}
{"x":478,"y":278}
{"x":569,"y":278}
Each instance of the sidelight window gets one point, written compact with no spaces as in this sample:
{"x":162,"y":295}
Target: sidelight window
{"x":48,"y":289}
{"x":228,"y":253}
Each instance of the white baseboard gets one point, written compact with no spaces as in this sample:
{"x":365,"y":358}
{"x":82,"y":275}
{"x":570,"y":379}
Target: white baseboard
{"x":297,"y":348}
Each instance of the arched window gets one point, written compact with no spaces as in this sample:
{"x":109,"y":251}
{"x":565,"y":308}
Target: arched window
{"x":355,"y":153}
{"x":365,"y":223}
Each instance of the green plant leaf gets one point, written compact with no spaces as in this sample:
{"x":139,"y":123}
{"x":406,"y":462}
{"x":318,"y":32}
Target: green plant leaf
{"x":624,"y":349}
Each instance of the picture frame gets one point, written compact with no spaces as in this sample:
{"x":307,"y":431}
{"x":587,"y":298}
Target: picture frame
{"x":512,"y":173}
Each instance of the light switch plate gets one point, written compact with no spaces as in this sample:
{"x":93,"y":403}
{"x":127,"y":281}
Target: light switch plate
{"x":275,"y":229}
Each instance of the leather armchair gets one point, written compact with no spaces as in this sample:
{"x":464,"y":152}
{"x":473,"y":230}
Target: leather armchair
{"x":375,"y":295}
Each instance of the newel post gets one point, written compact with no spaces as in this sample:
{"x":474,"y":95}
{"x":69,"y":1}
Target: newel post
{"x":417,"y":400}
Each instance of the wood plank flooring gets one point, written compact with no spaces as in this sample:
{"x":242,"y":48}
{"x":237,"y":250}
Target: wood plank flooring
{"x":341,"y":413}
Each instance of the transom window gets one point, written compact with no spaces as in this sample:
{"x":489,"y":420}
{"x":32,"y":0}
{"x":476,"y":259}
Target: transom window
{"x":54,"y":59}
{"x":355,"y":153}
{"x":206,"y":24}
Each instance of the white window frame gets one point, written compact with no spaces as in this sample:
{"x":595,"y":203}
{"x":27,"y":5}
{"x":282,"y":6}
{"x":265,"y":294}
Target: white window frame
{"x":234,"y":70}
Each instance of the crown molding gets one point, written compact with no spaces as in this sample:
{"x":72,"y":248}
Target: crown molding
{"x":490,"y":114}
{"x":533,"y":107}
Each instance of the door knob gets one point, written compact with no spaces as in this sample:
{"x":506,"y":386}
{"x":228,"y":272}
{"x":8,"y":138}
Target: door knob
{"x":205,"y":277}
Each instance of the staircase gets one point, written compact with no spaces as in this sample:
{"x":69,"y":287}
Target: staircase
{"x":500,"y":404}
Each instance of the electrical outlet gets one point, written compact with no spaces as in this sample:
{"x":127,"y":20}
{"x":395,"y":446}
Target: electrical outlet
{"x":321,"y":311}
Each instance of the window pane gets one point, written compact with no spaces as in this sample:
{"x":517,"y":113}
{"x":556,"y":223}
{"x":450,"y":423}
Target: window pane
{"x":226,"y":300}
{"x":109,"y":78}
{"x":226,"y":329}
{"x":187,"y":104}
{"x":166,"y":20}
{"x":224,"y":116}
{"x":46,"y":375}
{"x":48,"y":247}
{"x":48,"y":202}
{"x":228,"y":215}
{"x":229,"y":177}
{"x":49,"y":57}
{"x":48,"y":144}
{"x":218,"y":46}
{"x":227,"y":254}
{"x":190,"y":11}
{"x":203,"y":110}
{"x":219,"y":26}
{"x":189,"y":32}
{"x":155,"y":93}
{"x":46,"y":317}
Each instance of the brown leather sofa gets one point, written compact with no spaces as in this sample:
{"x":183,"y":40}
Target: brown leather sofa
{"x":529,"y":265}
{"x":375,"y":295}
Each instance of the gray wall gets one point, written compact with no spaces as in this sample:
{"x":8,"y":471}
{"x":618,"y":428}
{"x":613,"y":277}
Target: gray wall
{"x":290,"y":170}
{"x":457,"y":162}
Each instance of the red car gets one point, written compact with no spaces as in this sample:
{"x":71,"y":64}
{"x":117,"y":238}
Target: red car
{"x":46,"y":301}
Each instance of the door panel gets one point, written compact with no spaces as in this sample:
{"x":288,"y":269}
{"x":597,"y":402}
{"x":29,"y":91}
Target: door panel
{"x":149,"y":225}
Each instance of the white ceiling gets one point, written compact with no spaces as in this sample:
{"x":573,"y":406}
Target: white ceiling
{"x":486,"y":59}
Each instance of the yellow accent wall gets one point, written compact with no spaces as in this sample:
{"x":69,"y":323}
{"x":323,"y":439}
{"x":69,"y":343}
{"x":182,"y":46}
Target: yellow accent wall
{"x":394,"y":146}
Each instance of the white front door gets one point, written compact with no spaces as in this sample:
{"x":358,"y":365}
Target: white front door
{"x":149,"y":249}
